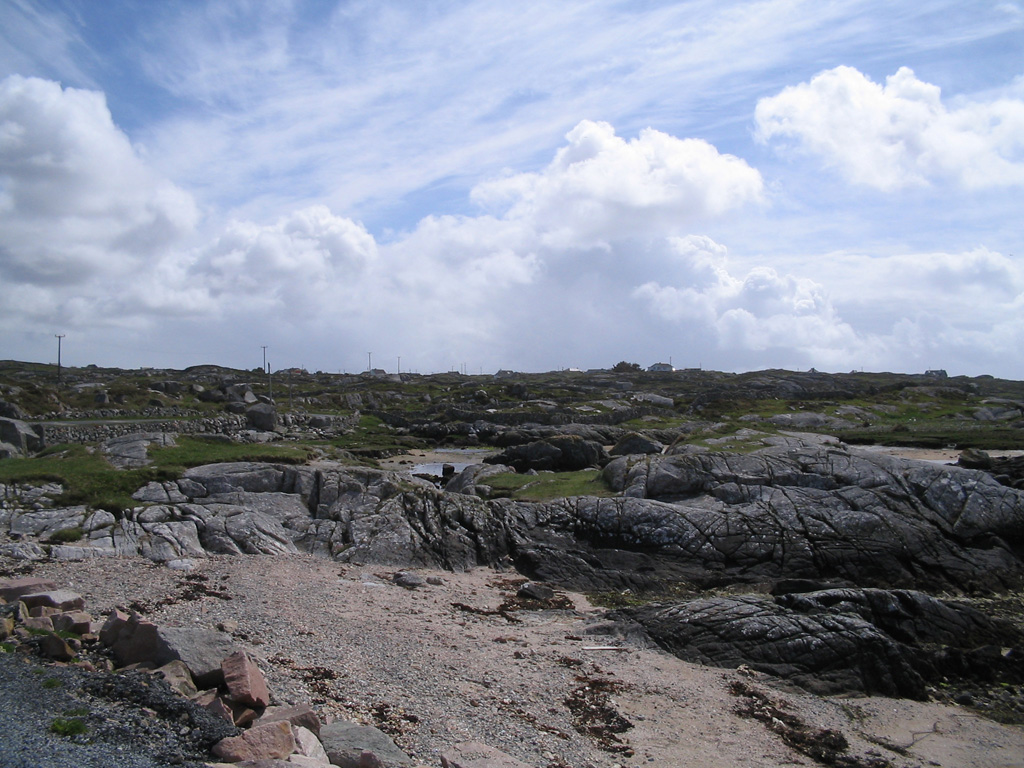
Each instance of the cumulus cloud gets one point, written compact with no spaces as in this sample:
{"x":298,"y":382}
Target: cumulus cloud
{"x":757,"y":311}
{"x":600,"y":187}
{"x":899,"y":134}
{"x":76,"y":201}
{"x":300,"y":256}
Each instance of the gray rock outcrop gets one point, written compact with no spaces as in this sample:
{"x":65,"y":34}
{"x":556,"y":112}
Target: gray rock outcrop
{"x":24,"y":438}
{"x":813,"y":512}
{"x":559,"y":453}
{"x":838,"y":641}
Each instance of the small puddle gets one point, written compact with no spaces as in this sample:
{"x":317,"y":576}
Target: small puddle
{"x":432,"y":462}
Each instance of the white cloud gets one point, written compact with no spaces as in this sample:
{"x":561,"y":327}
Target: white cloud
{"x":759,"y":311}
{"x":600,"y":187}
{"x":311,"y":245}
{"x":898,"y":134}
{"x":76,"y":201}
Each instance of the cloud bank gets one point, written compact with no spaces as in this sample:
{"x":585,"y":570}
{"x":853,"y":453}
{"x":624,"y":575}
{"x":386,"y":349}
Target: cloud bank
{"x":615,"y":248}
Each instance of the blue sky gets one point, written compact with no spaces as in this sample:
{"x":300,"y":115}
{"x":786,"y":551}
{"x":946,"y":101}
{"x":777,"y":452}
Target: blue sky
{"x":734,"y":185}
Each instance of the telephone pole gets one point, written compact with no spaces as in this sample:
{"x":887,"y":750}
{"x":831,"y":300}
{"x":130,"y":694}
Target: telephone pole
{"x":59,"y":337}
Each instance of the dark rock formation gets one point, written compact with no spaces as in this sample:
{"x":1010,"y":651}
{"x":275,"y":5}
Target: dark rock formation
{"x":559,"y":453}
{"x":709,"y":519}
{"x":839,"y":641}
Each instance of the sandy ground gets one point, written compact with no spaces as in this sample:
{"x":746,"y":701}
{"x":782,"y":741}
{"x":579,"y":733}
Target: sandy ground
{"x":436,"y":665}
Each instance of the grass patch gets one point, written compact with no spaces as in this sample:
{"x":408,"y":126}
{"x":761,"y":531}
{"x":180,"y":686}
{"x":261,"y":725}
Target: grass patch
{"x":6,"y":647}
{"x":51,"y":682}
{"x":66,"y":535}
{"x":194,"y":452}
{"x":547,"y":486}
{"x":374,"y":439}
{"x":68,"y":726}
{"x":89,"y":479}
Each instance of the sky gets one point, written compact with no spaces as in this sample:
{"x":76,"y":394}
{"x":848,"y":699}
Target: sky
{"x":478,"y":185}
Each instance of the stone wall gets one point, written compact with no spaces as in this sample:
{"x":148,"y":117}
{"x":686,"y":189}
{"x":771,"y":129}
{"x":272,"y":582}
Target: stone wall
{"x":94,"y":433}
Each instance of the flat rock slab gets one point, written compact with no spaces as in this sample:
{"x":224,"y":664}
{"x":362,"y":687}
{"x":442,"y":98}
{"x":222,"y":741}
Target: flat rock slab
{"x":61,"y":599}
{"x":345,"y":743}
{"x":473,"y":754}
{"x":13,"y":589}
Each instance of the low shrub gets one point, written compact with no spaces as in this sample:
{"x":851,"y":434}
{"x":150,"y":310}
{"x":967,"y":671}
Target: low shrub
{"x":68,"y":726}
{"x":66,"y":535}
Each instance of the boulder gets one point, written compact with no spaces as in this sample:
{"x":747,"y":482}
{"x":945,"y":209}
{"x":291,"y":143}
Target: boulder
{"x":261,"y":742}
{"x":635,"y":443}
{"x":201,"y":650}
{"x":307,"y":744}
{"x":178,"y":676}
{"x":25,"y":438}
{"x":301,"y":715}
{"x":262,"y":416}
{"x":559,"y":453}
{"x":56,"y":648}
{"x":78,"y":622}
{"x":345,"y":742}
{"x":467,"y":480}
{"x":244,"y":680}
{"x":12,"y":411}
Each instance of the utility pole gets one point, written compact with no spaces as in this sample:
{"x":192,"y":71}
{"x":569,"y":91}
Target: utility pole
{"x":59,"y":337}
{"x":399,"y":363}
{"x":369,"y":362}
{"x":264,"y":358}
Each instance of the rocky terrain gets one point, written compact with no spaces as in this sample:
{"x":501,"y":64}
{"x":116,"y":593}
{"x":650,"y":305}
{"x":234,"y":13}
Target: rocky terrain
{"x":727,"y":522}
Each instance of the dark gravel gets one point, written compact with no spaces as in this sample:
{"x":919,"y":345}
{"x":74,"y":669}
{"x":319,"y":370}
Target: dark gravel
{"x":132,"y":720}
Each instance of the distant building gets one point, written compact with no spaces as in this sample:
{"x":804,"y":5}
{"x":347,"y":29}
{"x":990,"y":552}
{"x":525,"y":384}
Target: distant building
{"x":661,"y":368}
{"x":937,"y":373}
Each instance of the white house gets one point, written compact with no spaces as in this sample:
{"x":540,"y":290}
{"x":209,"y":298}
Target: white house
{"x":661,"y":368}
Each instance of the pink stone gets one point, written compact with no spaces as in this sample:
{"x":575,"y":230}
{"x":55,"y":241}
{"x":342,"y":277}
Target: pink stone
{"x":245,"y":682}
{"x":55,"y":648}
{"x":38,"y":622}
{"x":63,"y":599}
{"x":12,"y":589}
{"x":298,"y":714}
{"x":261,"y":742}
{"x":112,"y":627}
{"x":78,"y":622}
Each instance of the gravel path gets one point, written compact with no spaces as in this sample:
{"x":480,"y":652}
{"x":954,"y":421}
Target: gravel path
{"x":441,"y":664}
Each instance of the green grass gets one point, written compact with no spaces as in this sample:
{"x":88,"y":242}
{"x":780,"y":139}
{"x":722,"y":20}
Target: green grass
{"x":548,"y":486}
{"x":68,"y":726}
{"x":194,"y":452}
{"x":51,"y":682}
{"x":66,"y":535}
{"x":90,"y":480}
{"x":6,"y":647}
{"x":372,"y":438}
